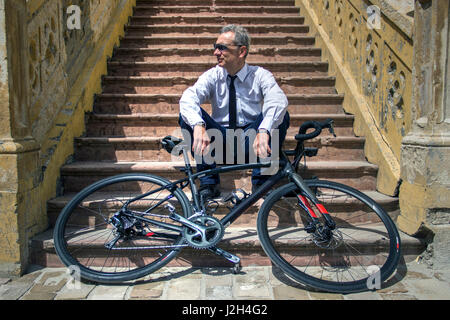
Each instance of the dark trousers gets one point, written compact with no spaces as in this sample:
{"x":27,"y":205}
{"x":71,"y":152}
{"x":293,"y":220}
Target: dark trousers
{"x":257,"y":178}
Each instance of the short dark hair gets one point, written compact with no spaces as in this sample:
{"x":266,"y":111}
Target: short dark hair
{"x":241,"y":36}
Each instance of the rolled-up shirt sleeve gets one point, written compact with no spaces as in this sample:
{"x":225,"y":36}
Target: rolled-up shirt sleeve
{"x":194,"y":96}
{"x":275,"y":102}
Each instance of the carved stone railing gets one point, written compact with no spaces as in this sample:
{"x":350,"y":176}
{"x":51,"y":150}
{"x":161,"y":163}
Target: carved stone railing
{"x":393,"y":67}
{"x":368,"y":45}
{"x":52,"y":56}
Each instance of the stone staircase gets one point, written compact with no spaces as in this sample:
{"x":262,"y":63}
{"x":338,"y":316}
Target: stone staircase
{"x":167,"y":45}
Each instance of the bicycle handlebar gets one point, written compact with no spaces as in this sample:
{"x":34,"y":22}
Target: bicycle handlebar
{"x":318,"y":126}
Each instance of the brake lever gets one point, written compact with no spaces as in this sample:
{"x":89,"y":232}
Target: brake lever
{"x":329,"y":125}
{"x":331,"y":129}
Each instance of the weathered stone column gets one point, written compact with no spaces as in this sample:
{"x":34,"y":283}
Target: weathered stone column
{"x":19,"y":152}
{"x":425,"y":162}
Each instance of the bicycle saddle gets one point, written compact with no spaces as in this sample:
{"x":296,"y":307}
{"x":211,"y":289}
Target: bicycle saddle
{"x":169,"y":143}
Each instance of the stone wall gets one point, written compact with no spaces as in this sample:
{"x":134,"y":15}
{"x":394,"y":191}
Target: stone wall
{"x":49,"y":74}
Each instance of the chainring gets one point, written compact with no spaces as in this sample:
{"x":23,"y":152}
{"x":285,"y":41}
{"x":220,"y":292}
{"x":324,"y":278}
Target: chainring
{"x":213,"y":234}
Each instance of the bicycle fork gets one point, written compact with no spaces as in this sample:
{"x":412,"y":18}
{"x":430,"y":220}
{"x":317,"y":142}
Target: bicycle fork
{"x":304,"y":203}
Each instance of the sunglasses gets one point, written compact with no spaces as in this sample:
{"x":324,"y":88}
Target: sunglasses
{"x":221,"y":47}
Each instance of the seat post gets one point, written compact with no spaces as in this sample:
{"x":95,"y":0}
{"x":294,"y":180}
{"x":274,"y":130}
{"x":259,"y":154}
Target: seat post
{"x":185,"y":153}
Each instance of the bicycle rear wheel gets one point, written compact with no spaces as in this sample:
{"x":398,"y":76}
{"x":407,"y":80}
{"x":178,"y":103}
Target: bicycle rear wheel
{"x":86,"y":237}
{"x":362,"y":252}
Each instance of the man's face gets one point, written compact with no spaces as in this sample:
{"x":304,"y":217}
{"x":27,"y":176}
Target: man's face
{"x":231,"y":58}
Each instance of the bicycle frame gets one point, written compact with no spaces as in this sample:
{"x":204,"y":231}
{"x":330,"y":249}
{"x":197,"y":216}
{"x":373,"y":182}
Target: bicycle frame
{"x":286,"y":170}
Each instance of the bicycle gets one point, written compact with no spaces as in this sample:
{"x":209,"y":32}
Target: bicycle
{"x":321,"y":233}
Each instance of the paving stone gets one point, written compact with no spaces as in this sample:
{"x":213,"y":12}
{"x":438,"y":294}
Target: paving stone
{"x":417,"y":275}
{"x":184,"y":289}
{"x":253,"y":283}
{"x":145,"y":291}
{"x":395,"y":289}
{"x":251,"y":290}
{"x":14,"y":290}
{"x":75,"y":291}
{"x":31,"y":277}
{"x":252,"y":275}
{"x":397,"y":297}
{"x":39,"y":295}
{"x":218,"y":283}
{"x":283,"y":292}
{"x":4,"y":280}
{"x":218,"y":277}
{"x":325,"y":296}
{"x":362,"y":296}
{"x":104,"y":292}
{"x":429,"y":289}
{"x":219,"y":292}
{"x":52,"y":281}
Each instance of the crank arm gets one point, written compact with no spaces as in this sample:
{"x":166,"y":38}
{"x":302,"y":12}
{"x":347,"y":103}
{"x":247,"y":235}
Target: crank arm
{"x":230,"y":257}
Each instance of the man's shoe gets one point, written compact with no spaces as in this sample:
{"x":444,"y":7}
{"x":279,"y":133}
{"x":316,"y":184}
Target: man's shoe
{"x":209,"y":191}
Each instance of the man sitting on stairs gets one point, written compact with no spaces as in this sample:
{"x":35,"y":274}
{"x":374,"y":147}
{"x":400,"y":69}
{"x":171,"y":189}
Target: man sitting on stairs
{"x":242,"y":97}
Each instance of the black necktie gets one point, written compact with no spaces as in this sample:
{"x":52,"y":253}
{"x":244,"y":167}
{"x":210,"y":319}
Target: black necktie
{"x":232,"y":104}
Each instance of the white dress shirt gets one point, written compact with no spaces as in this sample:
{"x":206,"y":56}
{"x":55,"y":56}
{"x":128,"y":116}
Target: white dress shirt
{"x":256,"y":92}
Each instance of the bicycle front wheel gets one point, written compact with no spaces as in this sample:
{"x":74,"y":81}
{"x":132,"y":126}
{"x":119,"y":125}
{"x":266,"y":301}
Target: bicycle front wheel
{"x":362,"y":251}
{"x":92,"y":234}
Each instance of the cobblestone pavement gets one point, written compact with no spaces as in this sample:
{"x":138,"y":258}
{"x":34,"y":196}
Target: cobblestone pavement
{"x":411,"y":282}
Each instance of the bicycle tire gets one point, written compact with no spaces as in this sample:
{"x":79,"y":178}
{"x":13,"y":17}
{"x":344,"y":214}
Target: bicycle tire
{"x":369,"y":236}
{"x":85,"y":222}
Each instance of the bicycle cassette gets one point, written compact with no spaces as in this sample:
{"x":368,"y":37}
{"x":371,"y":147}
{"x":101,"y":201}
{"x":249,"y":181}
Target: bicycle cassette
{"x":211,"y":231}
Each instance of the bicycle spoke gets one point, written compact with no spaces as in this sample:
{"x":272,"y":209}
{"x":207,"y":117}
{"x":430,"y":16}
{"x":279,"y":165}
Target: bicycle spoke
{"x":339,"y":258}
{"x":106,"y":231}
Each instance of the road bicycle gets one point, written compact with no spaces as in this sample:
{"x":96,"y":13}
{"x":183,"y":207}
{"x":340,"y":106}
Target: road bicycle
{"x":321,"y":233}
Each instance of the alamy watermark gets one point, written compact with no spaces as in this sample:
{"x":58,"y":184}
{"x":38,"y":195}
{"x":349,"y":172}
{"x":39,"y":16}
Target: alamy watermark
{"x":74,"y":274}
{"x":374,"y":279}
{"x":232,"y":149}
{"x":373,"y":17}
{"x":74,"y":17}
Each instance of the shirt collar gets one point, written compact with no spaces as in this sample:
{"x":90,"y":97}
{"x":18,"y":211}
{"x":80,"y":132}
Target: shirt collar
{"x":242,"y":74}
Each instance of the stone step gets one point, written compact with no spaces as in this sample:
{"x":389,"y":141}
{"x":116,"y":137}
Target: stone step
{"x":75,"y":176}
{"x":207,"y":29}
{"x":339,"y":207}
{"x":149,"y":148}
{"x":217,"y":19}
{"x":171,"y":41}
{"x":184,"y":69}
{"x":152,"y":124}
{"x":243,"y":242}
{"x":202,"y":9}
{"x":176,"y":54}
{"x":215,"y":3}
{"x":169,"y":103}
{"x":173,"y":85}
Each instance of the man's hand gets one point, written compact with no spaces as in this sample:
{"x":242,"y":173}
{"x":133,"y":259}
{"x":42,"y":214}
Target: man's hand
{"x":201,"y":140}
{"x":261,"y":145}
